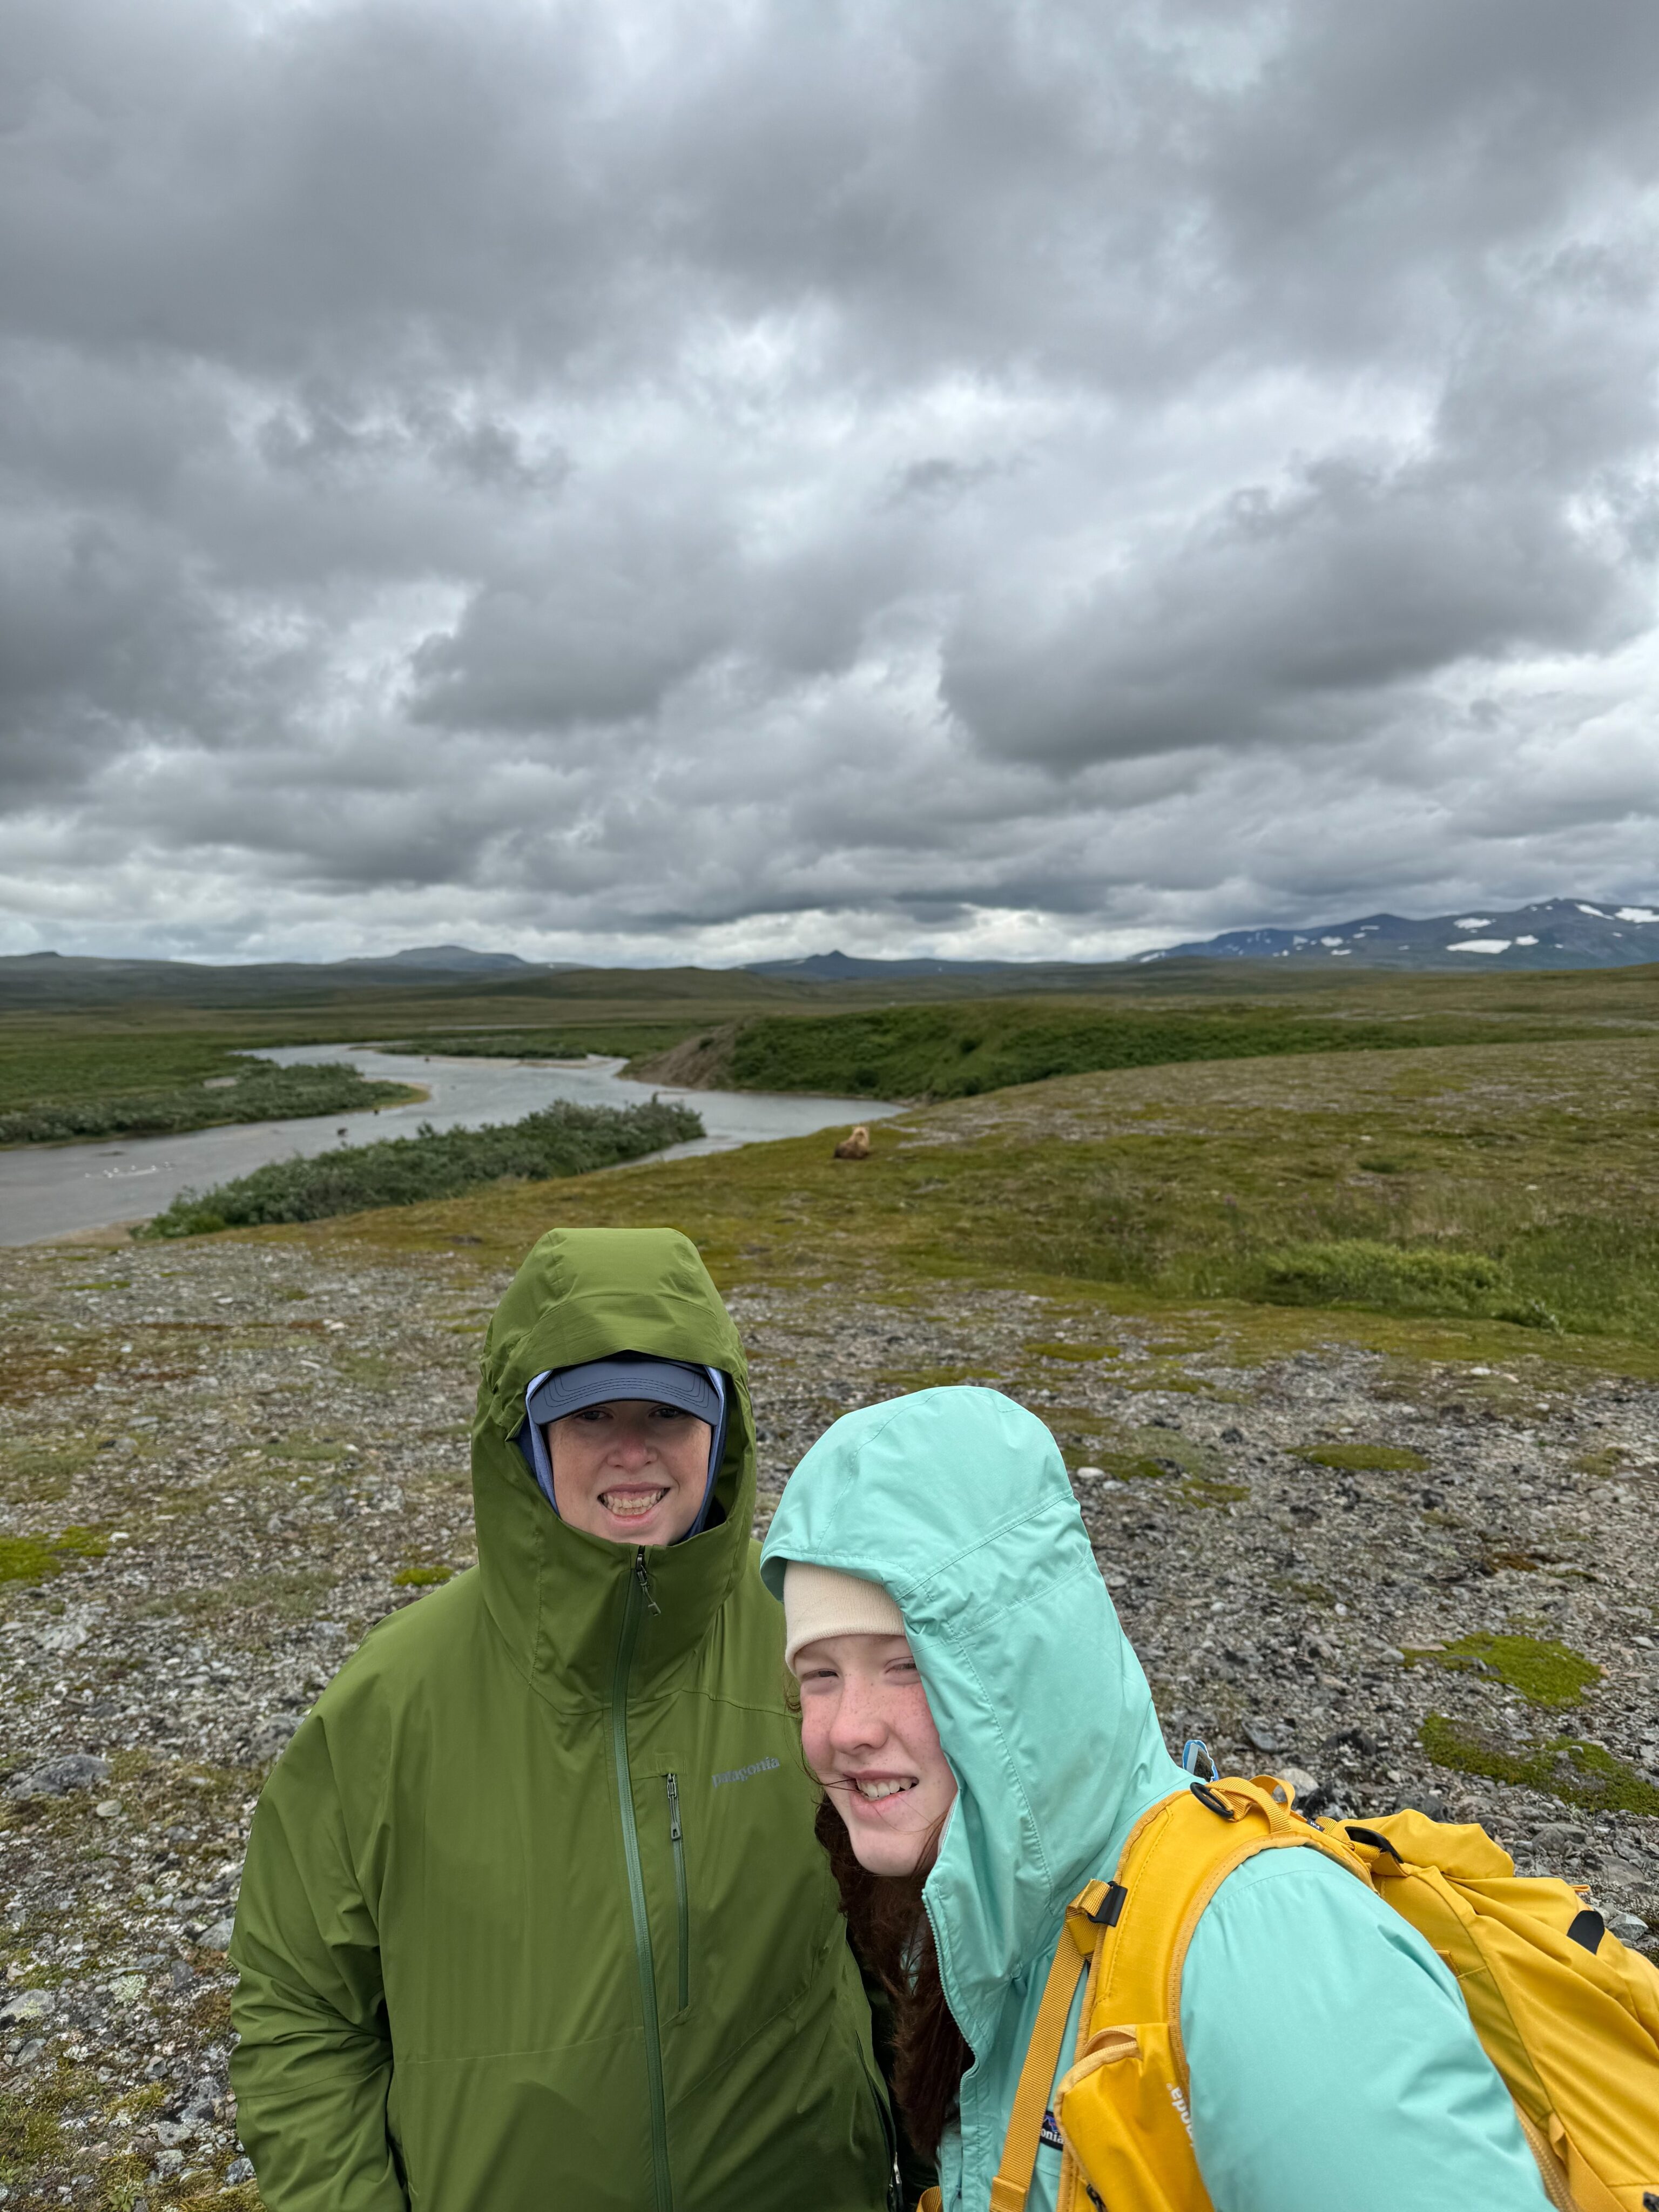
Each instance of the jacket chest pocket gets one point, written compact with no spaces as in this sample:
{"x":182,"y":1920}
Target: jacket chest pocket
{"x":681,"y":1985}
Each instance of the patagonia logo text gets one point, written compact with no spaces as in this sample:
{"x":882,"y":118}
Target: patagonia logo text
{"x":742,"y":1773}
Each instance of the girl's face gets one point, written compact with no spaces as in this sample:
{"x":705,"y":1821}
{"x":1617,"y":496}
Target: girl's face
{"x":871,"y":1740}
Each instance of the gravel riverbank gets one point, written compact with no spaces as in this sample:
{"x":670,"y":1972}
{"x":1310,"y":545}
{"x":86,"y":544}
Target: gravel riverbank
{"x":220,"y":1463}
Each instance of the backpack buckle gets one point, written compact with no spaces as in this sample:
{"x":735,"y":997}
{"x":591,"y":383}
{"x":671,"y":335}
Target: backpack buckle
{"x":1211,"y":1800}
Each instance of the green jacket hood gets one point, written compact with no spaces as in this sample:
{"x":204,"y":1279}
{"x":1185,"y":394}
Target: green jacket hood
{"x":555,"y":1592}
{"x":956,"y":1502}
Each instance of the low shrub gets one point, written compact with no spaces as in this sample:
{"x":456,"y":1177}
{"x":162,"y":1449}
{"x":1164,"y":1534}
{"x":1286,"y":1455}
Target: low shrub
{"x":561,"y":1139}
{"x":1393,"y":1278}
{"x":259,"y":1092}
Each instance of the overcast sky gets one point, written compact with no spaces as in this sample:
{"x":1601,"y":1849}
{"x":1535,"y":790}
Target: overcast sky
{"x":637,"y":481}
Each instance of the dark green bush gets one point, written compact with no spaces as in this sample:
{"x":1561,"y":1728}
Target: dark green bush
{"x":561,"y":1139}
{"x":958,"y":1051}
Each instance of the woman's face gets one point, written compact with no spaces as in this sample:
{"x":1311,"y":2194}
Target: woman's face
{"x":629,"y":1470}
{"x":871,"y":1740}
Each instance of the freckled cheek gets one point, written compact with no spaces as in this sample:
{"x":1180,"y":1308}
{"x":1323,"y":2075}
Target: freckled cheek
{"x":815,"y":1725}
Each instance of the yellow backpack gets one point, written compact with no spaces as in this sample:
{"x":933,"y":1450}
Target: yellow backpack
{"x":1568,"y":2015}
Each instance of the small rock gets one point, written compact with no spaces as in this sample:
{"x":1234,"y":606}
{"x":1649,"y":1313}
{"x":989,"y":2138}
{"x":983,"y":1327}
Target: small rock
{"x":76,"y":1770}
{"x":1628,"y":1927}
{"x":66,"y":1635}
{"x":1088,"y":1473}
{"x":108,"y":1809}
{"x":181,"y":1973}
{"x":1261,"y":1735}
{"x":1232,"y":1436}
{"x":1431,"y":1804}
{"x":239,"y":2169}
{"x":1558,"y":1836}
{"x":218,"y":1938}
{"x":1300,"y":1780}
{"x":28,"y":2004}
{"x":271,"y":1736}
{"x":167,"y":2162}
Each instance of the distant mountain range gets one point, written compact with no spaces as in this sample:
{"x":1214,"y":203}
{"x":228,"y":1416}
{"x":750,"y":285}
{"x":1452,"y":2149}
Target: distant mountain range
{"x":844,"y":967}
{"x":1552,"y":933}
{"x":67,"y":979}
{"x":449,"y":960}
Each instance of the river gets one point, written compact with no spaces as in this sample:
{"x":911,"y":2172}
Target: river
{"x":57,"y":1190}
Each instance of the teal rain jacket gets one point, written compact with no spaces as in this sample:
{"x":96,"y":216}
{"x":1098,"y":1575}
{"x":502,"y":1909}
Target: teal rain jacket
{"x":1332,"y":2057}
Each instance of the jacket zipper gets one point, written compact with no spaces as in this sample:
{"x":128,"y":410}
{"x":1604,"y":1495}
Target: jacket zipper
{"x":639,"y":1597}
{"x":677,"y":1838}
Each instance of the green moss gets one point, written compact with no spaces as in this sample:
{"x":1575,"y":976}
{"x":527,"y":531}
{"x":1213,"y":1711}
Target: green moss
{"x":27,"y":1559}
{"x":1546,"y":1673}
{"x":31,"y":2134}
{"x":1603,"y":1465}
{"x":1577,"y":1772}
{"x":422,"y":1577}
{"x":1365,"y":1459}
{"x":1205,"y":1490}
{"x":88,"y":1543}
{"x":1060,"y":1350}
{"x":1127,"y":1466}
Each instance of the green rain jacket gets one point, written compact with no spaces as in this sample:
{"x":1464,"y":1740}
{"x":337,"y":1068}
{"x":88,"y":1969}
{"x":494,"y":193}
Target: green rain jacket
{"x":1333,"y":2060}
{"x":533,"y":1914}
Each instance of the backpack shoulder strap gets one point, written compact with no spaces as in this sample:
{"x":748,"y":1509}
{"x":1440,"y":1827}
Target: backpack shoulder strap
{"x":1085,"y":1916}
{"x":1123,"y":2108}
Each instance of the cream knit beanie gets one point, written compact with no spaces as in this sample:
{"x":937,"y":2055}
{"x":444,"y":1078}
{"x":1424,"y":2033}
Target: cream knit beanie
{"x":820,"y":1602}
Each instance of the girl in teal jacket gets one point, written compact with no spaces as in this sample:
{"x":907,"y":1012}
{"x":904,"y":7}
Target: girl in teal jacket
{"x":1332,"y":2058}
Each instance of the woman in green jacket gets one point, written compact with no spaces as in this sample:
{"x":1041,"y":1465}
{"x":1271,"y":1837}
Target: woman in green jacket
{"x":533,"y":1915}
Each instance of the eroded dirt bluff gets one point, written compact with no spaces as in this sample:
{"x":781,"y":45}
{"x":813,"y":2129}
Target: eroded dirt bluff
{"x":221,"y":1462}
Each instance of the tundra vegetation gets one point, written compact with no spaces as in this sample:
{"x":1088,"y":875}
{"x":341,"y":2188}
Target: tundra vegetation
{"x":561,"y":1139}
{"x":1351,"y":1354}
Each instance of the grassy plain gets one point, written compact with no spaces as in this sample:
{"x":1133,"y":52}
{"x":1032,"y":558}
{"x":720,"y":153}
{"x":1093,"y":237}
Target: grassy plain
{"x":944,"y":1035}
{"x":1460,"y":1203}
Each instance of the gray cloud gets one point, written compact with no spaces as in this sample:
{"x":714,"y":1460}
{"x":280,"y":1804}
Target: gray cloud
{"x":644,"y":482}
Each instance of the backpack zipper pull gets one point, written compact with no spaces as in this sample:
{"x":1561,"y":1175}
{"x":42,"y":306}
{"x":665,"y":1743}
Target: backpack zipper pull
{"x":644,"y":1580}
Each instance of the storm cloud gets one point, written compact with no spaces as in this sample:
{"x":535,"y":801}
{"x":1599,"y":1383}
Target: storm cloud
{"x":627,"y":481}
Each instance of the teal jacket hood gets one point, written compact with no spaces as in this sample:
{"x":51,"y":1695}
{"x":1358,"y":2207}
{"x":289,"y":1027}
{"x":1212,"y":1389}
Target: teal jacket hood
{"x":956,"y":1502}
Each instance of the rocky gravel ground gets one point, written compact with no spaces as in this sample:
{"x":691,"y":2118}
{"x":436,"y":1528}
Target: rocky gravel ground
{"x":220,"y":1463}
